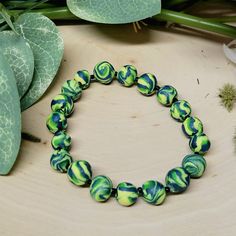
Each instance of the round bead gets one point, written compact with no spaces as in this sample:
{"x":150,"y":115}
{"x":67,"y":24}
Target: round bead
{"x":127,"y":75}
{"x":101,"y":188}
{"x":80,"y":173}
{"x":199,"y":143}
{"x":56,"y":121}
{"x":166,"y":95}
{"x":147,"y":84}
{"x":195,"y":165}
{"x":83,"y":78}
{"x":192,"y":126}
{"x":104,"y":72}
{"x":63,"y":104}
{"x":72,"y":89}
{"x":127,"y":194}
{"x":60,"y":160}
{"x":154,"y":192}
{"x":180,"y":110}
{"x":177,"y":180}
{"x":61,"y":140}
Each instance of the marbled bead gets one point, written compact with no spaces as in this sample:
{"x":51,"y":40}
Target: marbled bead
{"x":127,"y":194}
{"x":166,"y":95}
{"x":127,"y":75}
{"x":177,"y":180}
{"x":180,"y":110}
{"x":72,"y":89}
{"x":83,"y":78}
{"x":104,"y":72}
{"x":194,"y":164}
{"x":146,"y":84}
{"x":61,"y":140}
{"x":60,"y":160}
{"x":80,"y":173}
{"x":199,"y":143}
{"x":154,"y":192}
{"x":101,"y":188}
{"x":63,"y":104}
{"x":56,"y":121}
{"x":192,"y":126}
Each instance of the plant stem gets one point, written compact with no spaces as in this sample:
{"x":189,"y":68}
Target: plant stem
{"x":55,"y":13}
{"x":63,"y":13}
{"x":223,"y":19}
{"x":196,"y":22}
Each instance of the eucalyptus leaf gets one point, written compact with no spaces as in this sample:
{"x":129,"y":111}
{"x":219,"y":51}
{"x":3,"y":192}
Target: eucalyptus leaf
{"x":10,"y":117}
{"x":20,"y":57}
{"x":230,"y":51}
{"x":47,"y":46}
{"x":114,"y":11}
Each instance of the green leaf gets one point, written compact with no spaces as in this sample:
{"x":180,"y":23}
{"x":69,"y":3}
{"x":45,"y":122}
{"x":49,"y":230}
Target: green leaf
{"x":47,"y":46}
{"x":20,"y":57}
{"x":10,"y":117}
{"x":114,"y":11}
{"x":5,"y":15}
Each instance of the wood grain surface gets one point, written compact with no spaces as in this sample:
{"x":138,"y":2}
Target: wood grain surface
{"x":128,"y":137}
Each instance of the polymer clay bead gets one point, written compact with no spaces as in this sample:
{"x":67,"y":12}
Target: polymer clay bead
{"x":80,"y":173}
{"x":83,"y":78}
{"x":192,"y":126}
{"x":56,"y":121}
{"x":180,"y":110}
{"x":72,"y":89}
{"x":61,"y":140}
{"x":104,"y":72}
{"x":63,"y":104}
{"x":199,"y":143}
{"x":153,"y":192}
{"x":166,"y":95}
{"x":147,"y":84}
{"x":177,"y":180}
{"x":101,"y":188}
{"x":60,"y":160}
{"x":127,"y":75}
{"x":127,"y":194}
{"x":194,"y":164}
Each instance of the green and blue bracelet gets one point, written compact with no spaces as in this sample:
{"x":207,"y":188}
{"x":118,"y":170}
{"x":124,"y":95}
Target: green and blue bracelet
{"x":101,"y":188}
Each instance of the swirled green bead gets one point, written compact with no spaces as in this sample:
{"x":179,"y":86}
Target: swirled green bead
{"x":195,"y":165}
{"x":61,"y":140}
{"x":127,"y":194}
{"x":166,"y":95}
{"x":153,"y":192}
{"x":101,"y":188}
{"x":80,"y":173}
{"x":63,"y":104}
{"x":180,"y":110}
{"x":192,"y":126}
{"x":177,"y":180}
{"x":199,"y":143}
{"x":72,"y":89}
{"x":147,"y":84}
{"x":83,"y":78}
{"x":56,"y":121}
{"x":127,"y":75}
{"x":60,"y":160}
{"x":104,"y":72}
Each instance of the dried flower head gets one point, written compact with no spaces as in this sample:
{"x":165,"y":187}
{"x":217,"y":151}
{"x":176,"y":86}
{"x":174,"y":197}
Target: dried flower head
{"x":228,"y":96}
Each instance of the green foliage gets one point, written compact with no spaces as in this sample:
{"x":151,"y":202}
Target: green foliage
{"x":20,"y":57}
{"x":47,"y":46}
{"x":114,"y":11}
{"x":227,"y":95}
{"x":10,"y":117}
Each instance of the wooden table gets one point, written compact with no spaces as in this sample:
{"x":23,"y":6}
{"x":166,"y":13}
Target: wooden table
{"x":128,"y":137}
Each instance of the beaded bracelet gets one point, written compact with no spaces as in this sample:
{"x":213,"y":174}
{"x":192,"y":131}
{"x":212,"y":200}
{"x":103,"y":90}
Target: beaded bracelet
{"x":101,"y":188}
